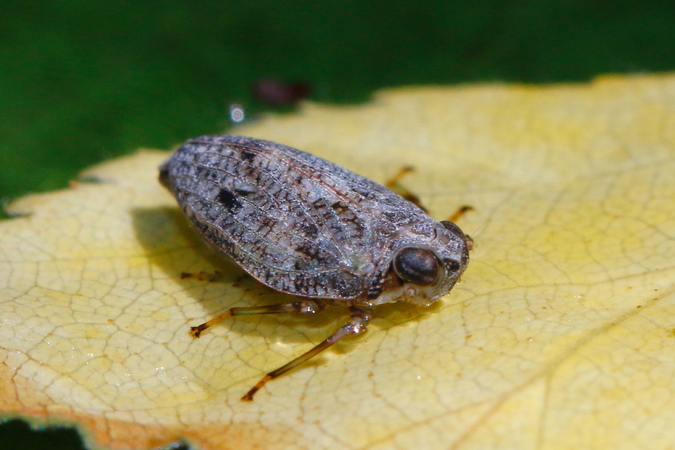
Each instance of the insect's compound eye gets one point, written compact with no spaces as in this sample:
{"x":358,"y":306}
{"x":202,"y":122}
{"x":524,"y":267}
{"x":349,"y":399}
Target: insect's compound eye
{"x":416,"y":265}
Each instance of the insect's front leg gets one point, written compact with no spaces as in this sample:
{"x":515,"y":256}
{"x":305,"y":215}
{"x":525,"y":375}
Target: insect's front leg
{"x":304,"y":307}
{"x":459,"y":213}
{"x":357,"y":324}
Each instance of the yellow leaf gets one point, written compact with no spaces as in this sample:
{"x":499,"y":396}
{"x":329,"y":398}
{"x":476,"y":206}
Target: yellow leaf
{"x":561,"y":334}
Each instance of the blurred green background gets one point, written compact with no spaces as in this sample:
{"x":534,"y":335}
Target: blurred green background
{"x":84,"y":81}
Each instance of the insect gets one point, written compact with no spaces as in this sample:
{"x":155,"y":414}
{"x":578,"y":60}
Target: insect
{"x":307,"y":227}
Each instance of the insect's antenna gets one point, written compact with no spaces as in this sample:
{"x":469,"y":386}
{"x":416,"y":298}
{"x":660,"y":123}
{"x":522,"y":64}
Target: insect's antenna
{"x":480,"y":227}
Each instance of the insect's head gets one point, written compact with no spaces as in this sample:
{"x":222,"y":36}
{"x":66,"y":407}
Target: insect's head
{"x":428,"y":270}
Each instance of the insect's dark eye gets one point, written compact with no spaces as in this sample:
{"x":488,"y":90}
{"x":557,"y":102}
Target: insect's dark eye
{"x":416,"y":265}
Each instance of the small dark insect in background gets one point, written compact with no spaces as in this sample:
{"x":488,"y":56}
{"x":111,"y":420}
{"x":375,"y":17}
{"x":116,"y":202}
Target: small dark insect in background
{"x":307,"y":227}
{"x":280,"y":93}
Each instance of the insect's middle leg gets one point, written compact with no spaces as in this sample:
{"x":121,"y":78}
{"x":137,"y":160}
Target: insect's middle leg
{"x":394,"y":184}
{"x":357,"y":324}
{"x":304,"y":307}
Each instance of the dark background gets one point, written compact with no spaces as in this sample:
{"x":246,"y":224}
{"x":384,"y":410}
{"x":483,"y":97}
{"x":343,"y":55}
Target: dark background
{"x":83,"y":81}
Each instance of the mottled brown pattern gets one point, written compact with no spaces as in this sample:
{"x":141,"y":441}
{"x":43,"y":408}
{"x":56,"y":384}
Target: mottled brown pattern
{"x":305,"y":226}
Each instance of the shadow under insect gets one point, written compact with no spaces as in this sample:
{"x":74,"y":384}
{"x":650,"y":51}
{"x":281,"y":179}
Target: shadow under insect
{"x":174,"y":247}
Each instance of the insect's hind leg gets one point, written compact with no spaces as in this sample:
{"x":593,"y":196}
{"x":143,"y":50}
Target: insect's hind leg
{"x":304,"y":307}
{"x":357,"y":324}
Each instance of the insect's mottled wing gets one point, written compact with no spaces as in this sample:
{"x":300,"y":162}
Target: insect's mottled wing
{"x":294,"y":221}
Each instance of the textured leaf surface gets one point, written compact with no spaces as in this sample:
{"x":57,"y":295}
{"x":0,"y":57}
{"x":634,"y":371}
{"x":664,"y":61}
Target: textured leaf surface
{"x":560,"y":335}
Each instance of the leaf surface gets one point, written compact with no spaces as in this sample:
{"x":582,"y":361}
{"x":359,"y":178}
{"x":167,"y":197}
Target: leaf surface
{"x":560,"y":334}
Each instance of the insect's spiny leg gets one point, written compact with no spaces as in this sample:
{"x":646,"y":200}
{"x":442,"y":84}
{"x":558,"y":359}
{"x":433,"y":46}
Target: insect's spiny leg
{"x":394,"y":184}
{"x":394,"y":180}
{"x":459,"y":213}
{"x":357,"y":324}
{"x":197,"y":331}
{"x":304,"y":307}
{"x":202,"y":276}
